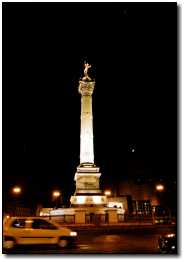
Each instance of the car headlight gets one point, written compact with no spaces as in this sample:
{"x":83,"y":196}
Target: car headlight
{"x":73,"y":234}
{"x":170,"y":235}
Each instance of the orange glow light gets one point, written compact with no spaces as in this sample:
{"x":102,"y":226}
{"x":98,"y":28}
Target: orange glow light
{"x":159,"y":187}
{"x":16,"y":190}
{"x":56,"y":193}
{"x":107,"y":193}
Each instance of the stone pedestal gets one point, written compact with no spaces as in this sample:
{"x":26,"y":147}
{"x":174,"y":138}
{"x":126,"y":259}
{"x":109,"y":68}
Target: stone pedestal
{"x":80,"y":216}
{"x":87,"y":187}
{"x":87,"y":180}
{"x":113,"y":217}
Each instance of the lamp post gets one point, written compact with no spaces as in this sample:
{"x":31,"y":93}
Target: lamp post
{"x":56,"y":194}
{"x":16,"y":204}
{"x":159,"y":189}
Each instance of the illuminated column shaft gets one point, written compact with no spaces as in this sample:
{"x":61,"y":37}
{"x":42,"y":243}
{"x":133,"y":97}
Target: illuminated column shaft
{"x":86,"y":131}
{"x":86,"y":136}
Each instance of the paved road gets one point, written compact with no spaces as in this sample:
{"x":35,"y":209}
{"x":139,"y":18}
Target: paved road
{"x":120,"y":243}
{"x":135,"y":241}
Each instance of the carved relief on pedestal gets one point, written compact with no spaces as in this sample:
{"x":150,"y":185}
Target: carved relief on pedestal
{"x":87,"y":182}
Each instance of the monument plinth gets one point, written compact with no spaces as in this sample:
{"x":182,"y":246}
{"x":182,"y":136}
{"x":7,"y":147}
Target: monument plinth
{"x":87,"y":175}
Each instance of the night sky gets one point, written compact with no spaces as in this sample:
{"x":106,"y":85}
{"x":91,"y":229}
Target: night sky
{"x":132,"y":48}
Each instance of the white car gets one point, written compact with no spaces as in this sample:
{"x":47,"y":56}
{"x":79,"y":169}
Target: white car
{"x":35,"y":230}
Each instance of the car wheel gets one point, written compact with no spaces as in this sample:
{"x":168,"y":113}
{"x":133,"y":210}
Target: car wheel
{"x":9,"y":244}
{"x":63,"y":242}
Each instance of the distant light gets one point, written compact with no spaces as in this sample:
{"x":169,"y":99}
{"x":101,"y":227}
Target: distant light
{"x":171,"y":235}
{"x":159,"y":187}
{"x":16,"y":190}
{"x":133,"y":150}
{"x":56,"y":193}
{"x":107,"y":192}
{"x":29,"y":221}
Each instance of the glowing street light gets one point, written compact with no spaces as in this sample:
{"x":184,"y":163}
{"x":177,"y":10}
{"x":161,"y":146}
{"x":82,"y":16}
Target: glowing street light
{"x":107,"y":192}
{"x":16,"y":190}
{"x":56,"y":194}
{"x":159,"y":187}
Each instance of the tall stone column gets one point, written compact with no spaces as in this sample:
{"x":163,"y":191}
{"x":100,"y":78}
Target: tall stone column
{"x":87,"y":175}
{"x":86,"y":135}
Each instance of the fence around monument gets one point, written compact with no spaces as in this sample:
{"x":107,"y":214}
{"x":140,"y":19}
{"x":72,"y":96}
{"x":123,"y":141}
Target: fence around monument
{"x":89,"y":219}
{"x":62,"y":219}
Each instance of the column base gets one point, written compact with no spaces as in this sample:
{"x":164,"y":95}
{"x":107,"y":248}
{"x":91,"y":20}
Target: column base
{"x":88,"y":200}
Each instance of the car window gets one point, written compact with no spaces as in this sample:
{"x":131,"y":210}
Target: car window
{"x":18,"y":223}
{"x":42,"y":224}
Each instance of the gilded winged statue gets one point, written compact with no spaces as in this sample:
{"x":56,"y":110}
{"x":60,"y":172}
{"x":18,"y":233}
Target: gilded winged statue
{"x":87,"y":66}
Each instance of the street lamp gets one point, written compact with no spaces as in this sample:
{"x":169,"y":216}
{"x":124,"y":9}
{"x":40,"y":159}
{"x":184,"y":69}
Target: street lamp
{"x":159,"y":188}
{"x":56,"y":194}
{"x":16,"y":190}
{"x":107,"y":193}
{"x":16,"y":202}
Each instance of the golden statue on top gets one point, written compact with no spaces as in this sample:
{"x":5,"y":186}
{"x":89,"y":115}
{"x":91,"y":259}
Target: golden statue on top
{"x":86,"y":68}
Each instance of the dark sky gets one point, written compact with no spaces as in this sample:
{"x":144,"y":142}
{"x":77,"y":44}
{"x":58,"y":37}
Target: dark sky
{"x":132,"y":48}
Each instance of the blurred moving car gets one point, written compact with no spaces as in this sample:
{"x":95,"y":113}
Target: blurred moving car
{"x":168,"y":244}
{"x":33,"y":231}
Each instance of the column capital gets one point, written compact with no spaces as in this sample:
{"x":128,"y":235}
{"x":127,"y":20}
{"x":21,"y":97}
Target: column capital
{"x":86,"y":88}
